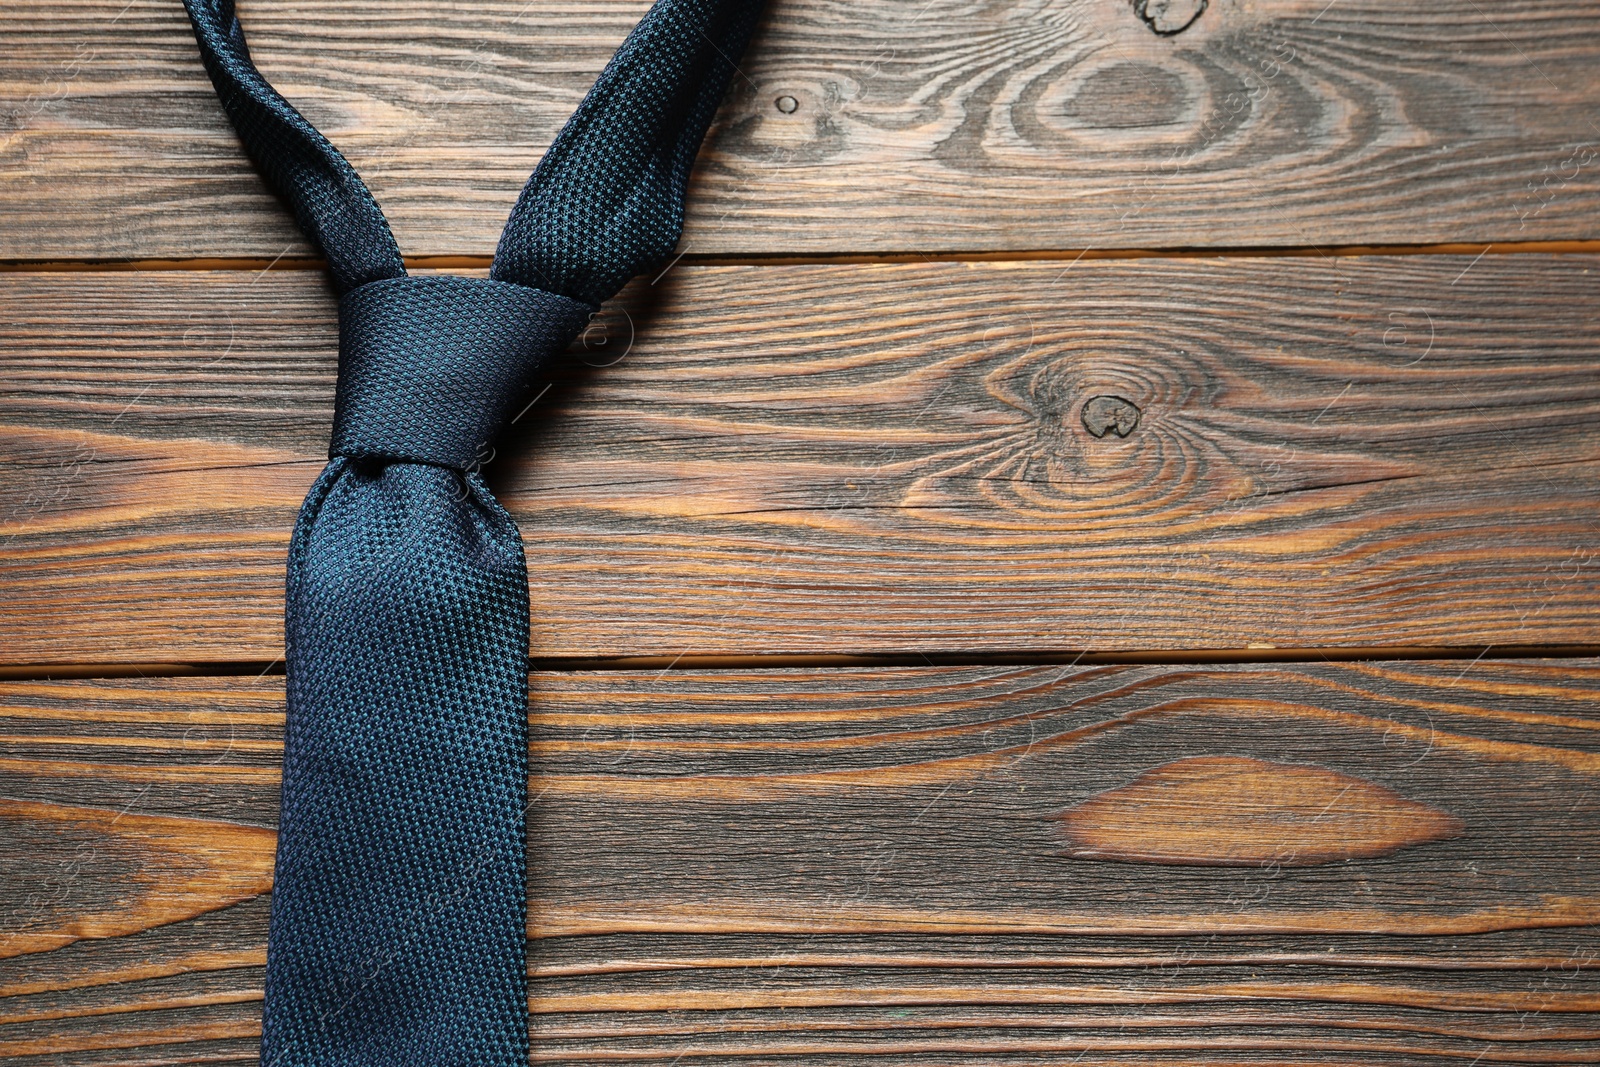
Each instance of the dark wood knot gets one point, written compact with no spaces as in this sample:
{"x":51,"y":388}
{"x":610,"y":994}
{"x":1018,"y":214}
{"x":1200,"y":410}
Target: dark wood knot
{"x":1168,"y":17}
{"x":1110,"y":414}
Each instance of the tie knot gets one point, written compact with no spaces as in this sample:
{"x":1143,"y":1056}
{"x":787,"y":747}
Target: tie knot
{"x":429,"y":368}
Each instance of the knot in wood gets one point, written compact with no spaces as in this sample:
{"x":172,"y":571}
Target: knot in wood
{"x":1109,"y":414}
{"x":1168,"y":17}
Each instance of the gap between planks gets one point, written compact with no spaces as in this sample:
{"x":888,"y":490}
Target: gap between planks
{"x":287,"y":263}
{"x":772,"y":661}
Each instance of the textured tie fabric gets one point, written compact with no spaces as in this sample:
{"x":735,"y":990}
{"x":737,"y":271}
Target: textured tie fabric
{"x":399,"y":903}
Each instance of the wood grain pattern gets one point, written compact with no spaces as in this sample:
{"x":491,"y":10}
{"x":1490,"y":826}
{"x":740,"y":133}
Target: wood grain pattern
{"x":868,"y":865}
{"x":937,"y":126}
{"x":1379,"y":863}
{"x":1233,"y":811}
{"x":161,"y":869}
{"x":863,"y":459}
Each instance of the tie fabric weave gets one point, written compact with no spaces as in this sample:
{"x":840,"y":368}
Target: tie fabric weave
{"x":398,"y":926}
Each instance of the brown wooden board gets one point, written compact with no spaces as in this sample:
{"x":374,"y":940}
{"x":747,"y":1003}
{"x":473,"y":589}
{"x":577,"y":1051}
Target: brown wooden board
{"x":848,"y":459}
{"x":931,"y":126}
{"x":1379,"y":863}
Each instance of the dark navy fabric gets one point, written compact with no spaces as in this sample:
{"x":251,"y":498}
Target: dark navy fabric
{"x":431,"y":368}
{"x":399,"y":908}
{"x":330,"y":202}
{"x":606,"y":201}
{"x":399,"y":901}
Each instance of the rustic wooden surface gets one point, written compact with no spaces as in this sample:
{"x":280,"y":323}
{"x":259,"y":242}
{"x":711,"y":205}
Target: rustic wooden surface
{"x":1329,"y":452}
{"x":933,"y":125}
{"x":917,"y":396}
{"x":834,"y":866}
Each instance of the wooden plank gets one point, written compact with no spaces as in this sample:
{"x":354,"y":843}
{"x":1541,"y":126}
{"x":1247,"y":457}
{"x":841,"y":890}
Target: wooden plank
{"x":737,"y":866}
{"x":935,"y":126}
{"x":852,"y":459}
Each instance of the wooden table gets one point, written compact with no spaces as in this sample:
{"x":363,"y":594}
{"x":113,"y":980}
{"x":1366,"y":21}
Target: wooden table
{"x":1088,"y":557}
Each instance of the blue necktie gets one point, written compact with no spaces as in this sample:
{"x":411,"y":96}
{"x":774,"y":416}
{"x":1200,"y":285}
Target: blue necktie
{"x":399,"y":903}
